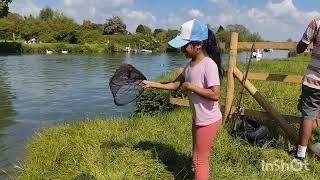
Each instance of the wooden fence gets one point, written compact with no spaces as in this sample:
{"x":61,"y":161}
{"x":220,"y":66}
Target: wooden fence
{"x":285,"y":121}
{"x":266,"y":45}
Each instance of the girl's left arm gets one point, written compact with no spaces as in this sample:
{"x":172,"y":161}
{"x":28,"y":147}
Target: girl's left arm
{"x":212,"y":93}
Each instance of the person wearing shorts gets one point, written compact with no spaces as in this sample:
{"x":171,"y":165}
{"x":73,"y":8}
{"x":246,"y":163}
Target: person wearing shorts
{"x":309,"y":101}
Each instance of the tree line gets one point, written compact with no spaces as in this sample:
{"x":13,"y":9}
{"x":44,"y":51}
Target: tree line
{"x":52,"y":26}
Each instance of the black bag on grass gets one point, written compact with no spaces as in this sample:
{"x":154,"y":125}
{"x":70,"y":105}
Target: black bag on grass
{"x":254,"y":133}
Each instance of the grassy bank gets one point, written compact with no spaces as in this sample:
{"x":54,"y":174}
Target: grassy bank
{"x":103,"y":44}
{"x":114,"y":45}
{"x":159,"y":147}
{"x":144,"y":148}
{"x":19,"y":47}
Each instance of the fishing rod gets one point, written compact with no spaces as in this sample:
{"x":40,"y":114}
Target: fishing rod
{"x":239,"y":109}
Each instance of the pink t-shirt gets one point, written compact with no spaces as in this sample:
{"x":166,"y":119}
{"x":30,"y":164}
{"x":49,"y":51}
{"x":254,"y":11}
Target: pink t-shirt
{"x":205,"y":74}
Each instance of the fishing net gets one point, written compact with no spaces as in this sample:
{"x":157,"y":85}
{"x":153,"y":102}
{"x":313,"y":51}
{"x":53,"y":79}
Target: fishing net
{"x":125,"y":84}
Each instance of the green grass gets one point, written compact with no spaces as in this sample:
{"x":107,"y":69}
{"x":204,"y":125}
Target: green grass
{"x":73,"y":48}
{"x":144,"y":148}
{"x":284,"y":96}
{"x":159,"y":147}
{"x":101,"y":44}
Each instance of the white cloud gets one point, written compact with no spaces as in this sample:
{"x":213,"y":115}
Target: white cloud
{"x":71,"y":2}
{"x":172,"y":22}
{"x":219,"y":1}
{"x":92,"y":11}
{"x":133,"y":18}
{"x":104,"y":3}
{"x":25,"y":7}
{"x":223,"y":4}
{"x":97,"y":10}
{"x":286,"y":11}
{"x":121,"y":2}
{"x":196,"y":13}
{"x":284,"y":7}
{"x":277,"y":22}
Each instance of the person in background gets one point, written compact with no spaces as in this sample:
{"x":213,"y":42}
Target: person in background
{"x":309,"y":101}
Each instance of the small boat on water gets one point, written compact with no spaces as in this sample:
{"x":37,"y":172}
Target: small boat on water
{"x":146,"y":51}
{"x":64,"y":52}
{"x":127,"y":49}
{"x":268,"y":50}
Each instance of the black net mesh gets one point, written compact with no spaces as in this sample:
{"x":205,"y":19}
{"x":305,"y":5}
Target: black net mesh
{"x":125,"y":84}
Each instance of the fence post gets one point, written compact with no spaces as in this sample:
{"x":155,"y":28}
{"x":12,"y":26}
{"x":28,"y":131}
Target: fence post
{"x":230,"y":78}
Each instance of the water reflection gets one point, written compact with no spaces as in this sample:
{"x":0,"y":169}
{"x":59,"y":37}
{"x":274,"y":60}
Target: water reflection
{"x":7,"y":112}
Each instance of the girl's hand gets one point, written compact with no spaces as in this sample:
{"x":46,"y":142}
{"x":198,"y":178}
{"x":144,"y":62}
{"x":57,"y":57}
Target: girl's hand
{"x":187,"y":86}
{"x":147,"y":84}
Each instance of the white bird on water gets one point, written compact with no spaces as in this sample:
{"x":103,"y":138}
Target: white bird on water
{"x":48,"y":52}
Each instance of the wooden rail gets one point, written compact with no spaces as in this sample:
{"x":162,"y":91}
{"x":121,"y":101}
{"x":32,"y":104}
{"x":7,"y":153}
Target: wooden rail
{"x":270,"y":45}
{"x":266,"y":45}
{"x":261,"y":115}
{"x":265,"y":76}
{"x":275,"y":77}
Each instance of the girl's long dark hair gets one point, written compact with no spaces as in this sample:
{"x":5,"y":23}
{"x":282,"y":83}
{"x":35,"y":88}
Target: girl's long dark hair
{"x":212,"y":48}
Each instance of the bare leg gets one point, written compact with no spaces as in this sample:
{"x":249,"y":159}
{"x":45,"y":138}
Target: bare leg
{"x":305,"y":132}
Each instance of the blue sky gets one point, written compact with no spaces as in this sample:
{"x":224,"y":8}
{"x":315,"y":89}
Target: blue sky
{"x":275,"y":20}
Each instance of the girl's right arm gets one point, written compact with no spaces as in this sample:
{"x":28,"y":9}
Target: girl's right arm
{"x":167,"y":86}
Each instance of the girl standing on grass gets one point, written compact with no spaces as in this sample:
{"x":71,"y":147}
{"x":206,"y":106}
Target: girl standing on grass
{"x":201,"y":79}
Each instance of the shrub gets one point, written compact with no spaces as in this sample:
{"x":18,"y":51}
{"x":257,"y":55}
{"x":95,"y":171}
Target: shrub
{"x":10,"y":47}
{"x":292,"y":54}
{"x":154,"y":101}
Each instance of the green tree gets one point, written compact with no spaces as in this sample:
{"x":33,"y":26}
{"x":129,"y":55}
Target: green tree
{"x":161,"y":36}
{"x":143,"y":29}
{"x":289,"y":40}
{"x":4,"y":28}
{"x":172,"y":34}
{"x":33,"y":27}
{"x":87,"y":24}
{"x":114,"y":25}
{"x":50,"y":27}
{"x":224,"y":36}
{"x":156,"y":31}
{"x":4,"y":7}
{"x":10,"y":26}
{"x":238,"y":28}
{"x":254,"y":37}
{"x":244,"y":34}
{"x":91,"y":36}
{"x":63,"y":28}
{"x":47,"y":13}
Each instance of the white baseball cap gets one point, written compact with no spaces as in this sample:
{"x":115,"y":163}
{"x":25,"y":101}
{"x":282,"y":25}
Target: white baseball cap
{"x":193,"y":30}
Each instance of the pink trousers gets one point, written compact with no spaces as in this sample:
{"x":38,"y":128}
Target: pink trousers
{"x":202,"y":137}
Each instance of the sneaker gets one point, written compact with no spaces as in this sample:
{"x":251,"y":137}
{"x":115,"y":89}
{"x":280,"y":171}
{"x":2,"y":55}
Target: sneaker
{"x":315,"y":148}
{"x":296,"y":159}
